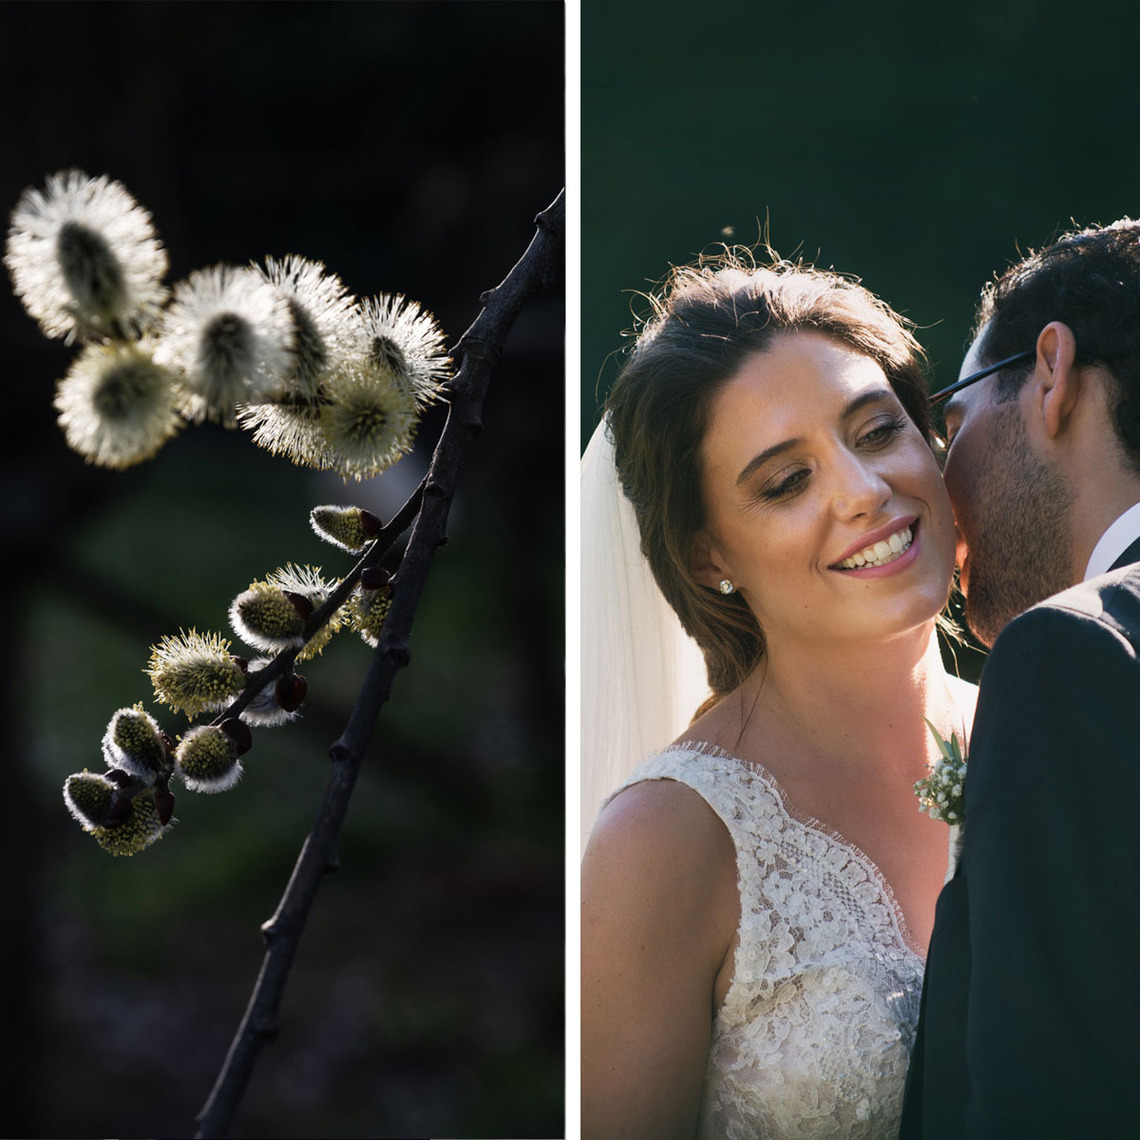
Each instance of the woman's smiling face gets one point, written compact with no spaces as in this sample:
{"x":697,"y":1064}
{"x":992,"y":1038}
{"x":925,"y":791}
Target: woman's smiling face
{"x":825,"y":507}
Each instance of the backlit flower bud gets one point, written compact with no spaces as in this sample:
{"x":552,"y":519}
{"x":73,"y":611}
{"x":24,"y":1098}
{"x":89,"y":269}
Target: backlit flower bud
{"x":123,"y":825}
{"x":88,"y":797}
{"x":306,"y":588}
{"x":116,"y":406}
{"x":263,"y":616}
{"x":402,"y":339}
{"x":207,"y":759}
{"x":194,"y":673}
{"x":133,"y":742}
{"x":84,"y":257}
{"x":229,"y":334}
{"x":322,"y":313}
{"x":369,"y":422}
{"x":350,"y":528}
{"x":367,"y":610}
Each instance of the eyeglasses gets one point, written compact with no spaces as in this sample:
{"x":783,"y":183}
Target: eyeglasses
{"x":946,"y":393}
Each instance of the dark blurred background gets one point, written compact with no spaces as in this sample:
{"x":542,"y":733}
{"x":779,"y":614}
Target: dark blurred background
{"x":920,"y":146}
{"x":408,"y":146}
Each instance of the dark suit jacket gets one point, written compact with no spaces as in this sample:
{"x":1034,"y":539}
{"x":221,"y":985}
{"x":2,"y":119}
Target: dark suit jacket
{"x":1030,"y":1023}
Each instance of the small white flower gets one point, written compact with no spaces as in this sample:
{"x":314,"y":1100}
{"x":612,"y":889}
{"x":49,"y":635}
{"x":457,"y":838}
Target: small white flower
{"x":229,"y":334}
{"x":403,"y":338}
{"x":323,"y":319}
{"x":116,"y":406}
{"x":940,"y":793}
{"x":369,"y":423}
{"x":84,"y":258}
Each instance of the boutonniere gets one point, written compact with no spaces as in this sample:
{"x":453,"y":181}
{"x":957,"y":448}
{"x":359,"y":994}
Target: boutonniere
{"x":940,"y":793}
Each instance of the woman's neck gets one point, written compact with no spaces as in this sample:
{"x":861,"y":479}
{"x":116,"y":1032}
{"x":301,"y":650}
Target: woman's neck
{"x":848,"y":705}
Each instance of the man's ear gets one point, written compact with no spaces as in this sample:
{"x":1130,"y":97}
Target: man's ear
{"x":1056,"y":380}
{"x":705,"y":563}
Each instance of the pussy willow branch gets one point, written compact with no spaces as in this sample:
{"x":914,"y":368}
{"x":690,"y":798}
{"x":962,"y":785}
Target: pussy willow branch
{"x":129,"y":786}
{"x":320,"y":617}
{"x":477,"y":351}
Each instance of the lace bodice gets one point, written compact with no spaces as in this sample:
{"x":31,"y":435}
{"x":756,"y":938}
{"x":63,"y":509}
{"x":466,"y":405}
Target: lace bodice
{"x":815,"y":1032}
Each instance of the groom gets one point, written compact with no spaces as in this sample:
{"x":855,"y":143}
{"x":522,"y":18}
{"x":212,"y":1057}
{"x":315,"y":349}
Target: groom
{"x":1030,"y":1021}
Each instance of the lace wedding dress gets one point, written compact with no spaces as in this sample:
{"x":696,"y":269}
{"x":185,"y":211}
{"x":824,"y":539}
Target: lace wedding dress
{"x":815,"y":1033}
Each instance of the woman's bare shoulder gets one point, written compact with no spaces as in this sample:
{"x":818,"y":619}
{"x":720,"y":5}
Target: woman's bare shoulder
{"x":658,"y":834}
{"x":660,"y":906}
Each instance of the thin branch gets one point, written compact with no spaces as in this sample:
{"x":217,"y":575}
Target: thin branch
{"x":478,"y":350}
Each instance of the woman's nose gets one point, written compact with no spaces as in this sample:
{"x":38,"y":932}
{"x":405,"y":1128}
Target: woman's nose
{"x":860,"y":488}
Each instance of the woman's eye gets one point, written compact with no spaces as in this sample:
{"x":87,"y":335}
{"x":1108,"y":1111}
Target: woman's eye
{"x":786,"y":486}
{"x":882,"y":433}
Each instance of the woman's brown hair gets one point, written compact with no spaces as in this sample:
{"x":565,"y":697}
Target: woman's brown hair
{"x":705,"y":321}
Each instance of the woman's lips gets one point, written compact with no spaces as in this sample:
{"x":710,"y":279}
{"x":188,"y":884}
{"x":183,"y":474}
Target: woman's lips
{"x":895,"y":565}
{"x":879,"y":546}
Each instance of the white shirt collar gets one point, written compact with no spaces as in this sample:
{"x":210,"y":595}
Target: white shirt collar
{"x":1114,"y":542}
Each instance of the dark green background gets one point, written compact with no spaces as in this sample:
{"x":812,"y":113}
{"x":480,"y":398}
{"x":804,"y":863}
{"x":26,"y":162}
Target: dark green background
{"x":409,"y":147}
{"x":918,"y":145}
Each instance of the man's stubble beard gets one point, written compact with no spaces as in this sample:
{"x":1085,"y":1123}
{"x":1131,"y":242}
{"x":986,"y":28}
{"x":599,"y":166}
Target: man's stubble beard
{"x":1022,"y":548}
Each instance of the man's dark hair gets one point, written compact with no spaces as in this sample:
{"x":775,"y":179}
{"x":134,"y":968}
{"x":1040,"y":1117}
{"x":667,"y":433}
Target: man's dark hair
{"x":1090,"y":280}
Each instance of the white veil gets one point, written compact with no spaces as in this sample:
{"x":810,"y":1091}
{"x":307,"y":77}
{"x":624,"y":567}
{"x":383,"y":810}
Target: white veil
{"x":642,"y":675}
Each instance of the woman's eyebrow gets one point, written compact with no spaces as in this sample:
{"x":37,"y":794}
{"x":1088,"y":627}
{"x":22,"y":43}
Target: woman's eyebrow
{"x":762,"y":457}
{"x":872,"y":396}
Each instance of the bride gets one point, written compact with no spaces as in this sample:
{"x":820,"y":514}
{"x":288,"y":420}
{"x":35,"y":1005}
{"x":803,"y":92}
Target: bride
{"x":757,"y":898}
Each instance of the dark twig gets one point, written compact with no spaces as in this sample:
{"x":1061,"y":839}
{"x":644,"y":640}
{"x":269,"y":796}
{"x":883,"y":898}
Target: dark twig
{"x":478,"y":350}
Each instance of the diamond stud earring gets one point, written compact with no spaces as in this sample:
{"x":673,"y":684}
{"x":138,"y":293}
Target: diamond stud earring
{"x":726,"y":587}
